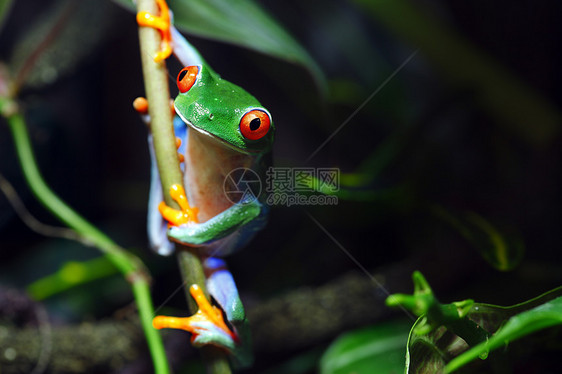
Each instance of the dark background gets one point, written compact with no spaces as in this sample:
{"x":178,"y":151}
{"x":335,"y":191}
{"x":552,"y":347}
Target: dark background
{"x":444,"y":152}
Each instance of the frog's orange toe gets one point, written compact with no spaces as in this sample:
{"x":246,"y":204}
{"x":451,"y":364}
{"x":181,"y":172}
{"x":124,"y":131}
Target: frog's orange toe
{"x":207,"y":326}
{"x":206,"y":313}
{"x":177,"y":217}
{"x":161,"y":23}
{"x":140,"y":104}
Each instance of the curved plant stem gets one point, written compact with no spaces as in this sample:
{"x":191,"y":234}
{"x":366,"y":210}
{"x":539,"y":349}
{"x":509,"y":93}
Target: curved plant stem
{"x":125,"y":262}
{"x":158,"y":96}
{"x":129,"y":265}
{"x":32,"y":222}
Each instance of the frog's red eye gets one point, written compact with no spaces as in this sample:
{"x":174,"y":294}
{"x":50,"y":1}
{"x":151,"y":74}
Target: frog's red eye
{"x":187,"y":77}
{"x":255,"y":124}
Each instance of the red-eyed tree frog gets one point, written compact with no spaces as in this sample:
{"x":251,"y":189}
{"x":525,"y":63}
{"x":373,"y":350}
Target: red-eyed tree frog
{"x":221,"y":128}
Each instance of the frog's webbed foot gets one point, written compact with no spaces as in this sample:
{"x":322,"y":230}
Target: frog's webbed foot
{"x":177,"y":217}
{"x":161,"y":23}
{"x":207,"y":326}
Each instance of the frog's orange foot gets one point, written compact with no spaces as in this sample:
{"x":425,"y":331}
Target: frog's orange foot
{"x":161,"y":23}
{"x":176,"y":217}
{"x":207,"y":326}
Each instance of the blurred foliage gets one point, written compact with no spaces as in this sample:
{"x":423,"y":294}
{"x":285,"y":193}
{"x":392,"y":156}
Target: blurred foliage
{"x":59,"y":41}
{"x":514,"y":103}
{"x":377,"y":349}
{"x":502,"y":250}
{"x":4,"y":10}
{"x":71,"y":274}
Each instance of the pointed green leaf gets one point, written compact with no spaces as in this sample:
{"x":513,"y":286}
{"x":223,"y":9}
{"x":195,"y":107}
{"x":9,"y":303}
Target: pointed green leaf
{"x":243,"y":23}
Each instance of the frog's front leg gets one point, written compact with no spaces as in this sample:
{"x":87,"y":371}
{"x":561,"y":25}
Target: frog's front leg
{"x":187,"y":231}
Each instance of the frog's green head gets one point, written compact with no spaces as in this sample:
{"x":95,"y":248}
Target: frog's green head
{"x":218,"y":108}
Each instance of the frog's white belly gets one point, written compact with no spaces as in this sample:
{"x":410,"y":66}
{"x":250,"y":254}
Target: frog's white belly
{"x":207,"y":165}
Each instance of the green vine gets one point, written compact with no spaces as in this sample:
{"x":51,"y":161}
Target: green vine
{"x":129,"y":265}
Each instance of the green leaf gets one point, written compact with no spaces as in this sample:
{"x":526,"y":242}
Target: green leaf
{"x":440,"y":349}
{"x":378,"y":349}
{"x":243,"y":23}
{"x":538,"y":318}
{"x":427,"y":353}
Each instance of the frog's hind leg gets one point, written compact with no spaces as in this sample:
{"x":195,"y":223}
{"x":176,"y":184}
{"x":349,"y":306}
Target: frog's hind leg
{"x":184,"y":51}
{"x":222,"y":288}
{"x":156,"y":225}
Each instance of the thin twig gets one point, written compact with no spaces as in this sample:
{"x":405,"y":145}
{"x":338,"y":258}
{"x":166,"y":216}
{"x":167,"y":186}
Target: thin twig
{"x":33,"y":223}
